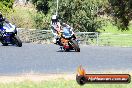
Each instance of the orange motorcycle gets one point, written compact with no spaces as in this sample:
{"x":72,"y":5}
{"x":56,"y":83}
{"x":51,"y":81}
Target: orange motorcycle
{"x":68,"y":41}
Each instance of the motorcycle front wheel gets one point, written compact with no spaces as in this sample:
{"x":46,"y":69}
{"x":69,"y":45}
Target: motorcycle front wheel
{"x":75,"y":45}
{"x":17,"y":41}
{"x":5,"y":44}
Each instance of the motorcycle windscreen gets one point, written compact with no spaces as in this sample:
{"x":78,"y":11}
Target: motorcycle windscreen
{"x":8,"y":27}
{"x":66,"y":32}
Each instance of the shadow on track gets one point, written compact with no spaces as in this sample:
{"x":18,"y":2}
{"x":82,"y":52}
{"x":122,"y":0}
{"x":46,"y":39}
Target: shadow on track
{"x":65,"y":51}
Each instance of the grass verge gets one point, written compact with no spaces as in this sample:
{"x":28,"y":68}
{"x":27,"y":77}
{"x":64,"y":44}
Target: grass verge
{"x":110,"y":39}
{"x":110,"y":35}
{"x":59,"y":83}
{"x":51,"y":81}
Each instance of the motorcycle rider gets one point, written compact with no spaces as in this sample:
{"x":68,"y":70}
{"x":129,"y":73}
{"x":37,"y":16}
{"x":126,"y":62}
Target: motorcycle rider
{"x":56,"y":27}
{"x":2,"y":20}
{"x":68,"y":29}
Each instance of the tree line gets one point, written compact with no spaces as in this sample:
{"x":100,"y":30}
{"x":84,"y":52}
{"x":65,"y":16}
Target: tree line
{"x":84,"y":14}
{"x":6,"y":5}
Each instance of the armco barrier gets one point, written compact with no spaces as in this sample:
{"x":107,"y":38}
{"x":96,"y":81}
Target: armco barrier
{"x":35,"y":36}
{"x":45,"y":36}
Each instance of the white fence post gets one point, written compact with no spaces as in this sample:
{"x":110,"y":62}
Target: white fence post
{"x":97,"y":39}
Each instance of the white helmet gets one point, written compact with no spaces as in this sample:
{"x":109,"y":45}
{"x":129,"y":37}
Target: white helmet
{"x":1,"y":15}
{"x":54,"y":17}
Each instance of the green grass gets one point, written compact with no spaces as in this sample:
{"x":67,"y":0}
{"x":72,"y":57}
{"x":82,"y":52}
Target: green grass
{"x":28,"y":17}
{"x":60,"y":83}
{"x":110,"y":35}
{"x":115,"y":39}
{"x":110,"y":28}
{"x":22,"y":16}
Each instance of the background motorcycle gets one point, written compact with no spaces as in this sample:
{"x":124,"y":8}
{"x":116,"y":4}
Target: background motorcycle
{"x":68,"y":42}
{"x":9,"y":35}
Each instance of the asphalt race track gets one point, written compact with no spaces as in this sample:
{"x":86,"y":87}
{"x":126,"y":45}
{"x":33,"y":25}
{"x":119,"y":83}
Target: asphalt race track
{"x":38,"y":58}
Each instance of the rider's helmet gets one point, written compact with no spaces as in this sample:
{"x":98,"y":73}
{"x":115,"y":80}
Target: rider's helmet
{"x":54,"y":19}
{"x":64,"y":24}
{"x":1,"y":16}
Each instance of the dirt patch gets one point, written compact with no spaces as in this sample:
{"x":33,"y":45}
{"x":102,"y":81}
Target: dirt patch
{"x":47,"y":77}
{"x":36,"y":78}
